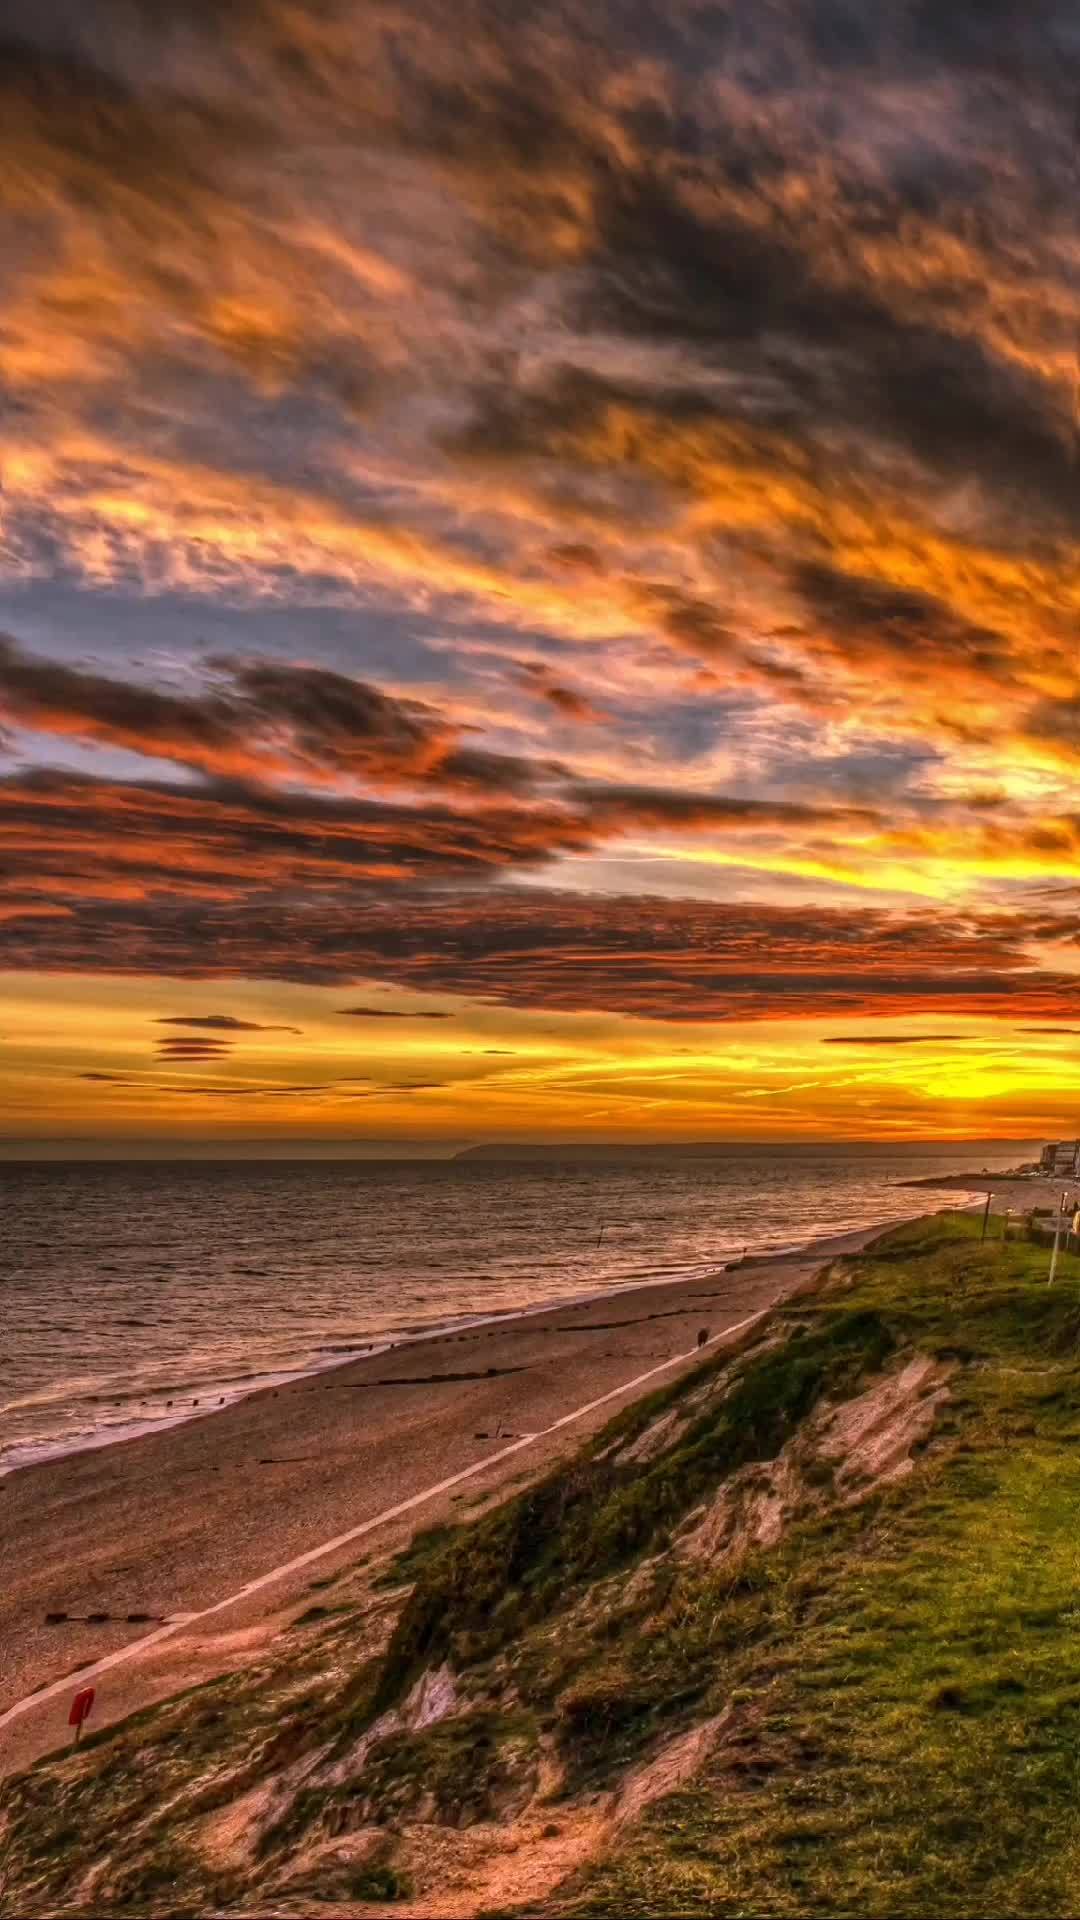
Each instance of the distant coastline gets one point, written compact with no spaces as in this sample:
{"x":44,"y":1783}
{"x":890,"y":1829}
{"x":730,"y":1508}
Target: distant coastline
{"x":527,"y":1151}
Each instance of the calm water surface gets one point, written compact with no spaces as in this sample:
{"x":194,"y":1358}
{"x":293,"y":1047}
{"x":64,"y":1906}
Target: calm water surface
{"x":126,"y":1287}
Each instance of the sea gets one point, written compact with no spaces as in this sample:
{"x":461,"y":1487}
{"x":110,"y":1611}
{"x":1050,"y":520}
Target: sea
{"x":137,"y":1293}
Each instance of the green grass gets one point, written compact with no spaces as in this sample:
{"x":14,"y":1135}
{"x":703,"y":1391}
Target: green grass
{"x":459,"y":1771}
{"x":131,"y":1796}
{"x":594,"y":1516}
{"x":907,"y":1739}
{"x":464,"y":1768}
{"x":918,"y":1746}
{"x":424,"y":1547}
{"x":378,"y":1882}
{"x":314,"y":1616}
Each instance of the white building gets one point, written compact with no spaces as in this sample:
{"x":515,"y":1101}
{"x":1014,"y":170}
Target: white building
{"x":1061,"y":1157}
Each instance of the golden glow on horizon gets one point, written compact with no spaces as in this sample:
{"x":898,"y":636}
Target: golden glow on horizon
{"x":486,"y":1073}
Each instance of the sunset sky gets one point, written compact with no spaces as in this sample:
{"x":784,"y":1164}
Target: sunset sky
{"x":539,"y":571}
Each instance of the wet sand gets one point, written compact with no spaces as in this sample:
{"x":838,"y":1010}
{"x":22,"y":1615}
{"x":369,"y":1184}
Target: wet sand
{"x":173,"y":1522}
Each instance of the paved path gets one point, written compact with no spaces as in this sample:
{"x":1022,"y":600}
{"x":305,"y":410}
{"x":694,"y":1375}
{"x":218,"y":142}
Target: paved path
{"x":211,"y":1528}
{"x":138,"y":1649}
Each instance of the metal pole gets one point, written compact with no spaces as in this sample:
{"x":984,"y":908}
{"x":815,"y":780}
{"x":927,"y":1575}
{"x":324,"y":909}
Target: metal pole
{"x":1057,"y":1243}
{"x":986,"y":1215}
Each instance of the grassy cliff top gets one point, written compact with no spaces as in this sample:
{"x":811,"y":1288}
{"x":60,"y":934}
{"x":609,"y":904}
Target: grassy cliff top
{"x":798,"y":1635}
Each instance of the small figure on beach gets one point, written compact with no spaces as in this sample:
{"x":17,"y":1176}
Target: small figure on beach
{"x":703,"y":1335}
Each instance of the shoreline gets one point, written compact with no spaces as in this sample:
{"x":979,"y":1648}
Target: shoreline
{"x":23,"y":1457}
{"x":41,"y":1695}
{"x":225,"y":1516}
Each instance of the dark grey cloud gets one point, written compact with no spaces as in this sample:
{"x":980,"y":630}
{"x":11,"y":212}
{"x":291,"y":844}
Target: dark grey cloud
{"x":221,"y":1022}
{"x":891,"y":1039}
{"x":75,"y":95}
{"x":69,"y":832}
{"x":787,"y":327}
{"x":474,"y":814}
{"x":567,"y":701}
{"x":390,"y":1013}
{"x":193,"y":1043}
{"x":612,"y":807}
{"x":659,"y":959}
{"x":687,"y":619}
{"x":901,"y":629}
{"x":350,"y":726}
{"x":1053,"y":723}
{"x":193,"y":1048}
{"x":259,"y":719}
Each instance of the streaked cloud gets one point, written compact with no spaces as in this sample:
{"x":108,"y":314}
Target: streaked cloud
{"x":660,"y":959}
{"x":891,"y":1039}
{"x":221,"y":1023}
{"x":393,"y":1013}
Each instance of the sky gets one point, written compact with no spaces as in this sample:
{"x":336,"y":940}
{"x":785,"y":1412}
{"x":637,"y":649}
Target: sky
{"x":539,"y":572}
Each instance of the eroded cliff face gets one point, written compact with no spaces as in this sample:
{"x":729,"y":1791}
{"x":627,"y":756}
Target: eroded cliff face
{"x":569,"y":1676}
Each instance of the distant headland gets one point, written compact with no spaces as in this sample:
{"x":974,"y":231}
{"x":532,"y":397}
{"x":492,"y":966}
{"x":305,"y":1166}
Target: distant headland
{"x":527,"y":1150}
{"x":594,"y":1150}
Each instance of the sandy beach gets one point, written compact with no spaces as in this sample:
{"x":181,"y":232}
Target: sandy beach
{"x":171,"y":1523}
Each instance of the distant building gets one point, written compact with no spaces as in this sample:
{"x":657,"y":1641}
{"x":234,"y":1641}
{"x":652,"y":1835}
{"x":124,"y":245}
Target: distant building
{"x":1061,"y":1157}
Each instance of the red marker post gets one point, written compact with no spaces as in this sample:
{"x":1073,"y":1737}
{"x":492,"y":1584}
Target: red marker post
{"x":80,"y":1710}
